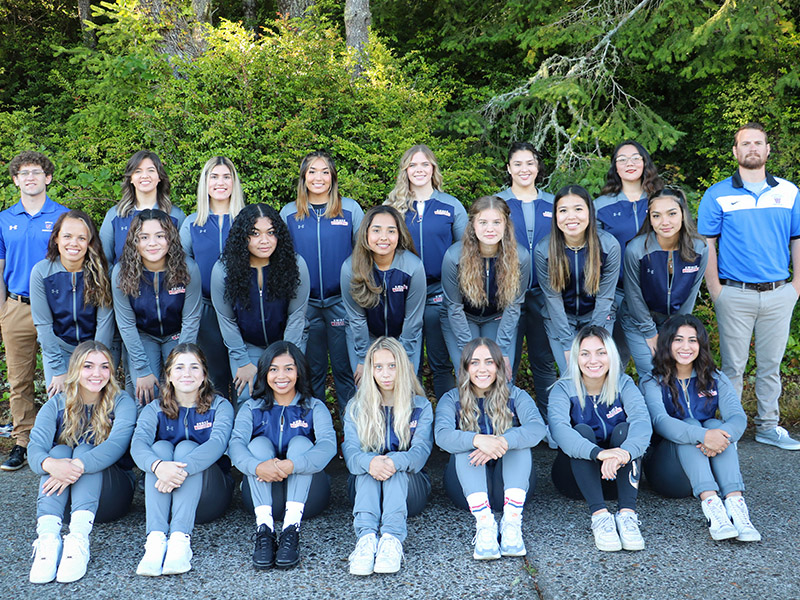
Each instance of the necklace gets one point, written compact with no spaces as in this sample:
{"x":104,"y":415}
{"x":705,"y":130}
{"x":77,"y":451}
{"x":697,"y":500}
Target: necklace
{"x":575,"y":248}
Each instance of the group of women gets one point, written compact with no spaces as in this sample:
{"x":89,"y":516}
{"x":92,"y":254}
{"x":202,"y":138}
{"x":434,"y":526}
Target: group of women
{"x":277,"y":296}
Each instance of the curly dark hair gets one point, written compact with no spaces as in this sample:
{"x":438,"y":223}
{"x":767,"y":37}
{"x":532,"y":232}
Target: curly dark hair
{"x":284,"y":276}
{"x":29,"y":157}
{"x":131,"y":272}
{"x":261,"y":389}
{"x":651,"y":181}
{"x":206,"y":393}
{"x":664,"y":365}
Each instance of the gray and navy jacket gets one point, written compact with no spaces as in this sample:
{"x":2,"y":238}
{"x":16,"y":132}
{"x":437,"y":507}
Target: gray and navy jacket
{"x":159,"y":312}
{"x":114,"y":231}
{"x":211,"y":430}
{"x":527,"y":427}
{"x":441,"y":224}
{"x":460,"y":311}
{"x":574,"y":300}
{"x":61,"y":317}
{"x":50,"y":423}
{"x":266,"y":321}
{"x":542,"y":216}
{"x":399,"y":311}
{"x":412,"y":459}
{"x":205,"y":243}
{"x":324,"y":264}
{"x":280,"y":424}
{"x":621,"y":218}
{"x":652,"y":293}
{"x":564,"y":412}
{"x":670,"y":423}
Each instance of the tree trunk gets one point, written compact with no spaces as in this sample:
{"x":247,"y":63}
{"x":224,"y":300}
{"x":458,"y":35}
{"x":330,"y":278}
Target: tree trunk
{"x":89,"y":37}
{"x":249,"y":11}
{"x":294,"y":9}
{"x":357,"y":19}
{"x":181,"y":35}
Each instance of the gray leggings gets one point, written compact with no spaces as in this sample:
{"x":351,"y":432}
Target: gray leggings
{"x":385,"y":505}
{"x":211,"y":487}
{"x":678,"y":470}
{"x":513,"y":470}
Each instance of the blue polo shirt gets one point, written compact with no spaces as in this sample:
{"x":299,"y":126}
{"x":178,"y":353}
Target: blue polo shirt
{"x":23,"y":242}
{"x":754,"y":230}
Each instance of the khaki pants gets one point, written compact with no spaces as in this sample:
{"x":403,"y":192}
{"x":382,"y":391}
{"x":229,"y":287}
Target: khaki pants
{"x":19,"y":337}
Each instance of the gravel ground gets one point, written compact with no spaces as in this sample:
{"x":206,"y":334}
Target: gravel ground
{"x":680,"y":561}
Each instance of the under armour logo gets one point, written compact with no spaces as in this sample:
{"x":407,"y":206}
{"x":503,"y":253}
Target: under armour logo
{"x":10,"y":227}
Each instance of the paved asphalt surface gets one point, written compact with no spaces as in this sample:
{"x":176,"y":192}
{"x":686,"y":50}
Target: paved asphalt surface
{"x":679,"y":562}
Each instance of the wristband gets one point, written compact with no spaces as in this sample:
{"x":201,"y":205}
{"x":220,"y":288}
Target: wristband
{"x":153,"y":469}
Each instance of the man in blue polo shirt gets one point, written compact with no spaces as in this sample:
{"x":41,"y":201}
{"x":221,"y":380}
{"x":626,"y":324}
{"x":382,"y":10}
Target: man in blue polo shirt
{"x":755,"y":219}
{"x":24,"y":232}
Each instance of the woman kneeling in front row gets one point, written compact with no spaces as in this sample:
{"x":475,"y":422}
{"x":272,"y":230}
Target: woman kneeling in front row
{"x":599,"y":420}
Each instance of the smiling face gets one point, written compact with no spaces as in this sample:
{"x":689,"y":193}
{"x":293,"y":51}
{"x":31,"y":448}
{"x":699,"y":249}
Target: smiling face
{"x":490,"y":226}
{"x":72,"y":242}
{"x":383,"y":235}
{"x":153,"y":244}
{"x":572,"y":216}
{"x":31,"y":180}
{"x":318,"y":180}
{"x":145,"y":177}
{"x":630,"y":163}
{"x":685,"y":347}
{"x":220,"y":183}
{"x":95,"y":373}
{"x":482,"y":370}
{"x":666,"y":218}
{"x":262,"y":242}
{"x":282,"y":377}
{"x":384,"y":370}
{"x":593,"y":360}
{"x":186,"y":373}
{"x":523,"y":168}
{"x":419,"y":171}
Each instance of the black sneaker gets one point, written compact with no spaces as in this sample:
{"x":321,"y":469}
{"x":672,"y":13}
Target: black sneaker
{"x":288,"y":554}
{"x":16,"y":460}
{"x":264,"y":551}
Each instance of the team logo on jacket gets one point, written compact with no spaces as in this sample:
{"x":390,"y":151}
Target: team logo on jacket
{"x":298,"y":423}
{"x":177,"y":290}
{"x":690,"y":269}
{"x":413,"y":424}
{"x":548,"y":214}
{"x":338,"y":322}
{"x":443,"y":212}
{"x":344,"y":222}
{"x":708,"y":394}
{"x":400,"y":288}
{"x":48,"y":226}
{"x":13,"y":227}
{"x":203,"y":425}
{"x":614,"y":412}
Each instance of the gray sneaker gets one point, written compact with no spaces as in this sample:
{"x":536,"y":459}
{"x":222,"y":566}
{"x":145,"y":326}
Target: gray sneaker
{"x":778,"y":437}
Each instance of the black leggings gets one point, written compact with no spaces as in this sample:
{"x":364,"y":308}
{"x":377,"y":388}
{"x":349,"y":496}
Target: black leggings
{"x":578,"y":478}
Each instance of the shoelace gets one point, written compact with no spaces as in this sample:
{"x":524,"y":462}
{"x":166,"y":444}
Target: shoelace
{"x":718,"y":514}
{"x":395,"y":546}
{"x":261,"y":538}
{"x":741,"y":512}
{"x":363,"y":548}
{"x":629,"y":522}
{"x":606,"y":524}
{"x":289,"y":537}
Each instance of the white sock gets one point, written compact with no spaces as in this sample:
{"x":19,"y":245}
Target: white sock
{"x":81,"y":522}
{"x":264,"y":516}
{"x":48,"y":524}
{"x":479,"y":507}
{"x":513,"y":503}
{"x":294,"y":513}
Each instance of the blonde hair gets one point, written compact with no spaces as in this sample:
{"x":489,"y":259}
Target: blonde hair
{"x":609,"y":391}
{"x":402,"y":197}
{"x":333,"y":207}
{"x":495,"y":401}
{"x":365,"y":407}
{"x":471,"y":268}
{"x":77,"y":428}
{"x":203,"y":205}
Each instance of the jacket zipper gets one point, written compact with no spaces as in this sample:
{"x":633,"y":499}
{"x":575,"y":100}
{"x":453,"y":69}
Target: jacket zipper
{"x":280,"y":433}
{"x":261,"y":305}
{"x":158,"y":303}
{"x":75,"y":306}
{"x":385,"y":307}
{"x":670,"y":279}
{"x":319,"y":256}
{"x":602,"y":422}
{"x":577,"y":286}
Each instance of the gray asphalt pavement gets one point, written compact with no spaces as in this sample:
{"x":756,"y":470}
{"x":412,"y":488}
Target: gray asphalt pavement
{"x":679,"y":562}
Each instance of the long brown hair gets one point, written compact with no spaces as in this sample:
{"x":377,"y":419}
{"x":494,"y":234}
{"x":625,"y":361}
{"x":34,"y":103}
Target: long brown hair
{"x":127,"y":204}
{"x":471,"y":271}
{"x":363,"y":288}
{"x":96,"y":283}
{"x":206,"y":393}
{"x":688,"y":233}
{"x":131,"y":266}
{"x":557,"y":261}
{"x":77,"y":427}
{"x":333,"y":208}
{"x":495,"y":401}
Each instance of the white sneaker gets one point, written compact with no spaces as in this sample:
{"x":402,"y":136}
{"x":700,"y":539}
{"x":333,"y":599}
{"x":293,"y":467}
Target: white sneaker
{"x":46,"y":552}
{"x":154,"y":549}
{"x":628,"y":529}
{"x":740,"y":516}
{"x":74,"y":558}
{"x":485,"y":541}
{"x":606,"y":537}
{"x":511,"y":542}
{"x":778,"y":437}
{"x":362,"y":559}
{"x":389,"y":555}
{"x":178,"y":558}
{"x":719,"y":525}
